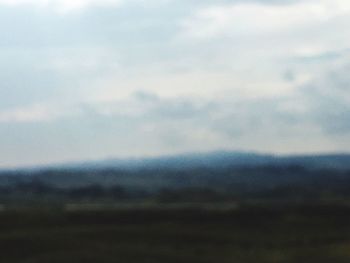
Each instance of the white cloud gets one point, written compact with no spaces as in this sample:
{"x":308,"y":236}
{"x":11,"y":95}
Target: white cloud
{"x":62,"y":6}
{"x":38,"y":113}
{"x":31,"y":114}
{"x":255,"y":18}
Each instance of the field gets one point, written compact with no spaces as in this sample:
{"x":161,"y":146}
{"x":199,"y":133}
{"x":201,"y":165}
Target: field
{"x":257,"y":234}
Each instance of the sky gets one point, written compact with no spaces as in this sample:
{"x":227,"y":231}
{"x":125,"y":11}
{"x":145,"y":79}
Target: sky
{"x":95,"y":79}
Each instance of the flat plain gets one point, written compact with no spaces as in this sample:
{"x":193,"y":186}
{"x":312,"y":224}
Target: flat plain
{"x":283,"y":233}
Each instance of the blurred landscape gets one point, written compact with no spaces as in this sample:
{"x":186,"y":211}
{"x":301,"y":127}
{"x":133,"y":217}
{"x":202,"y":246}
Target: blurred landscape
{"x":171,"y":131}
{"x":215,"y":207}
{"x":192,"y":178}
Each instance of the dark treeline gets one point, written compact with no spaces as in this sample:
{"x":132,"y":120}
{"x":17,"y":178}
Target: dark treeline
{"x":177,"y":185}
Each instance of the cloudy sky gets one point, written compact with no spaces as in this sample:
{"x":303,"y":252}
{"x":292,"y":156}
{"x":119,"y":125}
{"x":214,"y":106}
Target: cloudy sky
{"x":91,"y":79}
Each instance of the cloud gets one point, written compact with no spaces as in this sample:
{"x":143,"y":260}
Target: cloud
{"x":84,"y":79}
{"x":328,"y":100}
{"x":244,"y":19}
{"x":62,"y":6}
{"x":31,"y":76}
{"x":35,"y":113}
{"x":39,"y":113}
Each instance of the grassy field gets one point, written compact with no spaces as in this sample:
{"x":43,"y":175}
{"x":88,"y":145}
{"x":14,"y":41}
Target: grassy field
{"x":252,"y":234}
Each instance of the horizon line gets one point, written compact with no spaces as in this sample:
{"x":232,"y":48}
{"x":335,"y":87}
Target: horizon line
{"x":58,"y":164}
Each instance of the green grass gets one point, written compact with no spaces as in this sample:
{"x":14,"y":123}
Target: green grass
{"x":255,"y":234}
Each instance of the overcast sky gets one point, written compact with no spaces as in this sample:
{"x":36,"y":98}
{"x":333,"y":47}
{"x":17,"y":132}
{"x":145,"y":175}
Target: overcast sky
{"x":91,"y":79}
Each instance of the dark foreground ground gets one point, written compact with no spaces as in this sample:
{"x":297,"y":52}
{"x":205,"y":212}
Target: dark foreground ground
{"x":308,"y":233}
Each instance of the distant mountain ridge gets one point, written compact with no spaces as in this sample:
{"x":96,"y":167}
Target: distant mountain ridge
{"x":218,"y":159}
{"x":217,"y":174}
